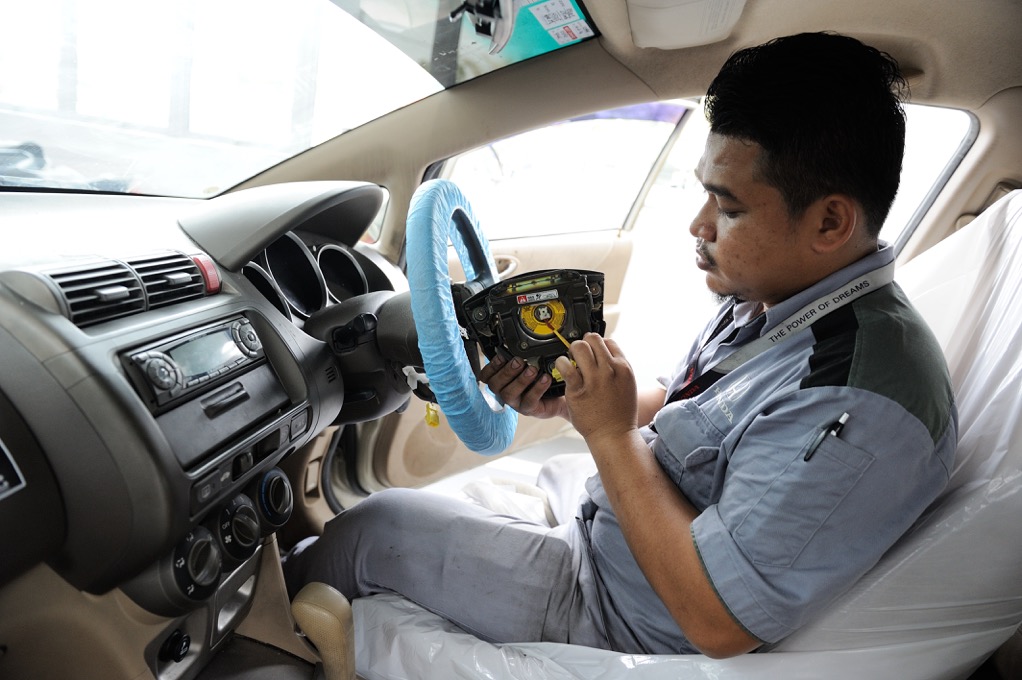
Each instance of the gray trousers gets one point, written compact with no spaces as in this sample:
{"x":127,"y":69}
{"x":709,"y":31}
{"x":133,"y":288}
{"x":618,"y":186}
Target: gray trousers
{"x":499,"y":577}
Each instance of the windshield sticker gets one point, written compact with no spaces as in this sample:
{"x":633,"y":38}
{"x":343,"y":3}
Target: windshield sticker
{"x":561,"y":20}
{"x":554,"y":13}
{"x":572,"y":32}
{"x":11,"y":480}
{"x":546,"y":25}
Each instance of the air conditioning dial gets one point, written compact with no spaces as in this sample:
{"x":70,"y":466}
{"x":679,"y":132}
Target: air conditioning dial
{"x":197,"y":564}
{"x":238,"y":528}
{"x":274,"y":499}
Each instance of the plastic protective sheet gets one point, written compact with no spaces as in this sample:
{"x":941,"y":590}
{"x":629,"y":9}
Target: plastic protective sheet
{"x":431,"y":216}
{"x":396,"y":639}
{"x":947,"y":594}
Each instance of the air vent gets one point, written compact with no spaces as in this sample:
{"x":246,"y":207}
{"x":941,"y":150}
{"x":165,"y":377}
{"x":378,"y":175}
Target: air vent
{"x":99,"y":292}
{"x":108,"y":289}
{"x":169,"y":278}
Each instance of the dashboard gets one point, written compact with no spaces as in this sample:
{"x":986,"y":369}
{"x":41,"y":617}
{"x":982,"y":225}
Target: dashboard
{"x":160,"y":358}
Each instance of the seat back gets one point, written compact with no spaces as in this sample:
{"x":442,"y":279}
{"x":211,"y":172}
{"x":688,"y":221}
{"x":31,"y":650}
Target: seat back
{"x":957,"y":574}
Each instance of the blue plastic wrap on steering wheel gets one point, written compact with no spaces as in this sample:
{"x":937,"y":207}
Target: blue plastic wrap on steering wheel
{"x":431,"y":222}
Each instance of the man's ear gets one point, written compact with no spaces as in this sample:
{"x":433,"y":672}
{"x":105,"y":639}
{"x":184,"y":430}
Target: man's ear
{"x":837,"y":219}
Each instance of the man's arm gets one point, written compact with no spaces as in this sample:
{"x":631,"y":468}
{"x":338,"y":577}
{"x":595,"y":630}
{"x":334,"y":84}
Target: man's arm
{"x":650,"y":401}
{"x":602,"y":404}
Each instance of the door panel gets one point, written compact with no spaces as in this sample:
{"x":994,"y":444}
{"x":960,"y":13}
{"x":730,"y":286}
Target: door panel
{"x":506,"y":266}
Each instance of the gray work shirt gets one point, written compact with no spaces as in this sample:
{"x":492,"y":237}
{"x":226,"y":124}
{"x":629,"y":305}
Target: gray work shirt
{"x":781,"y":536}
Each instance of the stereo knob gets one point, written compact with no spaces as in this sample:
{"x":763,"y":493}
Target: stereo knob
{"x":246,"y":339}
{"x":204,"y":562}
{"x":245,"y":527}
{"x":161,"y":372}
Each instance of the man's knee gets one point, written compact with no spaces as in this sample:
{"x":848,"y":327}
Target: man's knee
{"x":386,"y":507}
{"x":388,"y":501}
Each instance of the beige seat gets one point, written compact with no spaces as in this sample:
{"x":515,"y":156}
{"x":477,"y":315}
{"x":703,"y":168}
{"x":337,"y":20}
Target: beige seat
{"x":945,"y":597}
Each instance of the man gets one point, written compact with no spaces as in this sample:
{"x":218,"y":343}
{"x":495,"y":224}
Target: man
{"x":805,"y":431}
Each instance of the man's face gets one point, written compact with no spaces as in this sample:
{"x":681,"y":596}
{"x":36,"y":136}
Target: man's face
{"x":746,"y":243}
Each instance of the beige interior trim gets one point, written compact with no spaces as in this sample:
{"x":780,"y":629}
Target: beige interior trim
{"x":305,"y":470}
{"x":61,"y":632}
{"x":270,"y":620}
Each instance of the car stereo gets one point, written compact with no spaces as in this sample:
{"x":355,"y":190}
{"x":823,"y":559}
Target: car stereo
{"x":170,"y":370}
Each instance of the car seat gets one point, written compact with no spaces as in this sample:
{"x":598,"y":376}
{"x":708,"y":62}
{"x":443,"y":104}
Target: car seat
{"x":938,"y":604}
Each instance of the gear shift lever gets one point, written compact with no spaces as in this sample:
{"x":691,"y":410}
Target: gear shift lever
{"x":324,"y":615}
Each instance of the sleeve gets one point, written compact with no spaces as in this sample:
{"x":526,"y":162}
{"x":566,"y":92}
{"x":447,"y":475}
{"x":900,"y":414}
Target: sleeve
{"x":787,"y":534}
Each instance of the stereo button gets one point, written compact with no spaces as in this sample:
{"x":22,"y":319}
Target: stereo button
{"x":161,"y":373}
{"x":246,"y":338}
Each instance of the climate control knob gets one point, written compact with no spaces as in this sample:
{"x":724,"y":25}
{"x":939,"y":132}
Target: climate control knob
{"x":197,"y":564}
{"x":238,"y":527}
{"x":274,"y":499}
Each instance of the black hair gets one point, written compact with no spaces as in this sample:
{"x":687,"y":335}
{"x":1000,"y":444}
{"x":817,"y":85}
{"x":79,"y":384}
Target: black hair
{"x":826,"y":109}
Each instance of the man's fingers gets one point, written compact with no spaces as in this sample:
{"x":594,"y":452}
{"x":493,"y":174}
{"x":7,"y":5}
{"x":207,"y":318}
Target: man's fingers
{"x":491,"y":368}
{"x":569,"y":372}
{"x":504,"y":374}
{"x":593,"y":351}
{"x":518,"y":384}
{"x":532,"y":396}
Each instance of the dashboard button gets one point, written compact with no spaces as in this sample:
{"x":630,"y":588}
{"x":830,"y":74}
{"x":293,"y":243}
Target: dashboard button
{"x":161,"y":373}
{"x":205,"y":489}
{"x":299,"y":424}
{"x":246,"y":338}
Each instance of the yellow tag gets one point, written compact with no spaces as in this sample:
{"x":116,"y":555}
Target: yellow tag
{"x":432,"y":414}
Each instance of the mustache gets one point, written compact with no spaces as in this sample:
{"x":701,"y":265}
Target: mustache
{"x":704,"y":252}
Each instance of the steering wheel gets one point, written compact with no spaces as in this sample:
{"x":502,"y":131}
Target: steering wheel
{"x":439,"y":211}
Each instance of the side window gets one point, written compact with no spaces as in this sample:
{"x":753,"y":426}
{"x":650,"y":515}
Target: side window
{"x":583,"y":174}
{"x":935,"y":140}
{"x":586,"y":173}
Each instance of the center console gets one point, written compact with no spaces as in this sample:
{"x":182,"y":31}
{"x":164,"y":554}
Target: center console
{"x":216,"y":398}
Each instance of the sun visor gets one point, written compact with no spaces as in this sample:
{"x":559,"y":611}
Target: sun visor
{"x":672,"y":24}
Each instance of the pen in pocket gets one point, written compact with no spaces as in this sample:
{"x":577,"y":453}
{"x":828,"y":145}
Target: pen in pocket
{"x":832,"y":430}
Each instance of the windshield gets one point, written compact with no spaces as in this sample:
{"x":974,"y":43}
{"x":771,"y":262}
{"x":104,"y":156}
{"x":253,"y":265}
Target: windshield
{"x":190,"y":98}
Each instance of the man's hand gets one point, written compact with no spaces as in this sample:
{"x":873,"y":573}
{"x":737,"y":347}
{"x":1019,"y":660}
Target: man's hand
{"x":518,"y":386}
{"x":600,"y":389}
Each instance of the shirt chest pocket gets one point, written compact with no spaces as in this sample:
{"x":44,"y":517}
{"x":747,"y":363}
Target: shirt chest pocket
{"x":697,"y":471}
{"x":699,"y":480}
{"x":787,"y":512}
